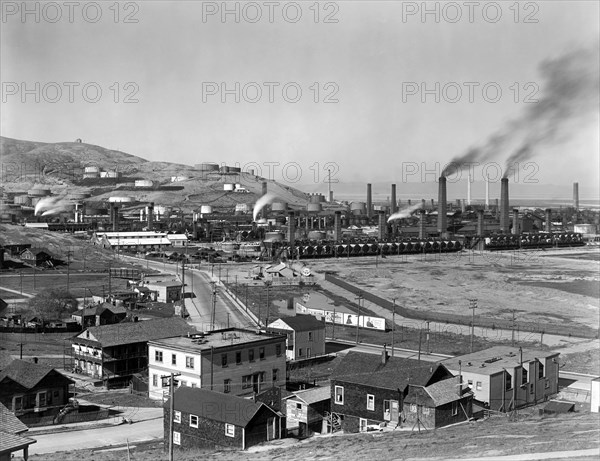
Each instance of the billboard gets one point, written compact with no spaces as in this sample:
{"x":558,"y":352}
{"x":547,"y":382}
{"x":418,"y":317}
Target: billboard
{"x":343,"y":318}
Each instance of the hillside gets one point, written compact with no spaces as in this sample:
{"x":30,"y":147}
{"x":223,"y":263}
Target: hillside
{"x":60,"y":166}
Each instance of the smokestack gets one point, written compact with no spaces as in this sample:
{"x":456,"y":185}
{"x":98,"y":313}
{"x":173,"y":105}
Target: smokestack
{"x":394,"y":202}
{"x":330,"y":196}
{"x":442,"y":218}
{"x":469,"y":189}
{"x":504,"y":218}
{"x":422,"y":233}
{"x":480,"y":222}
{"x":264,"y":192}
{"x":337,"y":226}
{"x":515,"y":220}
{"x":115,"y":220}
{"x":291,"y":232}
{"x":487,"y":192}
{"x":150,"y":215}
{"x":382,"y":226}
{"x":576,"y":196}
{"x":548,"y":223}
{"x":369,"y":202}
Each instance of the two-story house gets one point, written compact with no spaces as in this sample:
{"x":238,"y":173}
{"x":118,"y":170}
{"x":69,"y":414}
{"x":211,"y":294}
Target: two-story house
{"x":505,"y":378}
{"x":232,"y":360}
{"x":101,"y":314}
{"x":113,"y":353}
{"x":305,"y":335}
{"x":370,"y":390}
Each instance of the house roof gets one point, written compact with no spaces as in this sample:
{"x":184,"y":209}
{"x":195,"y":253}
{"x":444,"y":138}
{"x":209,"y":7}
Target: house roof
{"x":36,"y":251}
{"x":138,"y":241}
{"x":114,"y":309}
{"x":303,"y":322}
{"x":495,"y":359}
{"x":137,"y":332}
{"x":396,"y":373}
{"x":10,"y":423}
{"x":556,"y":406}
{"x":94,"y":310}
{"x":216,"y":406}
{"x":12,"y":442}
{"x":313,"y":395}
{"x":5,"y":359}
{"x":440,"y":393}
{"x":164,"y":284}
{"x":28,"y":374}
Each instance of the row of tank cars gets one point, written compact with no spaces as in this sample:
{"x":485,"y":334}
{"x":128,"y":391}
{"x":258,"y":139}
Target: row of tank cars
{"x":510,"y":242}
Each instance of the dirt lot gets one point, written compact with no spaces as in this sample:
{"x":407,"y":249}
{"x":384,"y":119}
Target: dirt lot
{"x":495,"y":436}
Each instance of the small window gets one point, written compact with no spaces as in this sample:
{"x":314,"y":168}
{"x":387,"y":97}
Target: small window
{"x":478,"y":385}
{"x":531,"y":387}
{"x":189,"y":362}
{"x":454,"y":408}
{"x":176,"y":438}
{"x":251,"y":355}
{"x":507,"y":381}
{"x":193,"y":421}
{"x":413,"y":408}
{"x":310,"y":336}
{"x":278,"y":350}
{"x":298,"y":406}
{"x":425,"y":410}
{"x":362,"y":425}
{"x":182,"y":383}
{"x":223,"y":360}
{"x":261,"y":353}
{"x":524,"y":376}
{"x":275,"y":374}
{"x":227,"y":386}
{"x":177,"y":416}
{"x":155,"y":380}
{"x":541,"y":371}
{"x":173,"y":359}
{"x":470,"y":383}
{"x":238,"y":357}
{"x":246,"y":381}
{"x":370,"y":402}
{"x":158,"y":356}
{"x":339,"y":395}
{"x":194,"y":385}
{"x":299,"y":352}
{"x":229,"y":430}
{"x":547,"y":384}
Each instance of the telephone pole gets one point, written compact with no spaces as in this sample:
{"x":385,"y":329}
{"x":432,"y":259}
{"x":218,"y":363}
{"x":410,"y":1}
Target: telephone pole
{"x":393,"y":324}
{"x":472,"y":306}
{"x":171,"y":379}
{"x":359,"y":297}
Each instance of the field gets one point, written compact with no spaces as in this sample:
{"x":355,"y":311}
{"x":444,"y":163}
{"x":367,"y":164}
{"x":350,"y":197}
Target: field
{"x":496,"y":436}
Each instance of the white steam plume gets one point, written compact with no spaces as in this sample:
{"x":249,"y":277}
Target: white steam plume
{"x":51,"y":205}
{"x":261,"y":203}
{"x":405,"y":213}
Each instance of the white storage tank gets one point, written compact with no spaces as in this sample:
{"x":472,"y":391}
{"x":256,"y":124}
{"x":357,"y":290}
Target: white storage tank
{"x":92,"y":169}
{"x":143,"y":183}
{"x":179,"y":178}
{"x":314,"y":207}
{"x":120,"y":199}
{"x":228,"y":187}
{"x":206,"y":209}
{"x":358,"y":208}
{"x":22,"y":200}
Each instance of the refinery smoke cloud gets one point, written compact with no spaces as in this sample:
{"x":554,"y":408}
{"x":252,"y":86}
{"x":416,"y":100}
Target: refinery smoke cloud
{"x":569,"y":98}
{"x":404,"y":213}
{"x":262,"y":202}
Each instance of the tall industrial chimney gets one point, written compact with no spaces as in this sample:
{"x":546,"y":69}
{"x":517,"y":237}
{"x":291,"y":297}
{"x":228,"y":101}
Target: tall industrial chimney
{"x":504,"y":218}
{"x":422,"y":233}
{"x":576,"y":195}
{"x":337,"y":226}
{"x":442,"y":222}
{"x":487,"y":192}
{"x":150,"y":215}
{"x":369,"y":202}
{"x":469,"y":189}
{"x":548,"y":223}
{"x":382,"y":226}
{"x":115,"y":219}
{"x":480,"y":222}
{"x":291,"y":233}
{"x":515,"y":221}
{"x":330,"y":196}
{"x":393,"y":199}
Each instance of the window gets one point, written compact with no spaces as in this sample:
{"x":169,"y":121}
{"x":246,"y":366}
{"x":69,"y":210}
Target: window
{"x":308,"y":351}
{"x":310,"y":336}
{"x":275,"y":374}
{"x":370,"y":402}
{"x":155,"y":380}
{"x":251,"y":355}
{"x":158,"y":356}
{"x":339,"y":395}
{"x":507,"y":380}
{"x":298,"y":406}
{"x":18,"y":403}
{"x":246,"y":381}
{"x":42,"y":399}
{"x":238,"y":358}
{"x":261,"y":377}
{"x":531,"y":387}
{"x":177,"y":416}
{"x":278,"y":350}
{"x":229,"y":430}
{"x":362,"y":425}
{"x":413,"y":408}
{"x":194,"y":385}
{"x":470,"y":384}
{"x":189,"y":362}
{"x":261,"y":353}
{"x":478,"y":385}
{"x":223,"y":360}
{"x":182,"y":383}
{"x":176,"y":438}
{"x":524,"y":374}
{"x":541,"y":371}
{"x":425,"y":410}
{"x":454,"y":408}
{"x":173,"y":359}
{"x":227,"y":386}
{"x":299,"y":352}
{"x":193,"y":421}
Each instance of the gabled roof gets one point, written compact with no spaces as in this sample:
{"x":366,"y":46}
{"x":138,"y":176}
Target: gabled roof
{"x":313,"y":395}
{"x":137,"y":332}
{"x":12,"y":442}
{"x":94,"y":310}
{"x":28,"y":374}
{"x":396,"y":373}
{"x":303,"y":322}
{"x":36,"y":251}
{"x":216,"y":406}
{"x":10,"y":423}
{"x":440,"y":393}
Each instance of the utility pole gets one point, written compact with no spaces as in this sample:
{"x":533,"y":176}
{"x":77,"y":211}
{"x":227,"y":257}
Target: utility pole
{"x":268,"y":283}
{"x":214,"y":303}
{"x":420,"y":333}
{"x":427,"y":337}
{"x":359,"y":297}
{"x":393,"y":324}
{"x":171,"y":379}
{"x":472,"y":306}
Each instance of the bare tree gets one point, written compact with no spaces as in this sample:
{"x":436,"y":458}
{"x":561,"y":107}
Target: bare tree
{"x":53,"y":303}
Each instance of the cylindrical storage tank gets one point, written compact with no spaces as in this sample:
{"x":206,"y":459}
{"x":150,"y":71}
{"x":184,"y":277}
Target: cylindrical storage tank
{"x":79,"y":195}
{"x":279,"y":206}
{"x":112,"y":174}
{"x":94,"y":211}
{"x":38,"y":192}
{"x":206,"y":209}
{"x":224,"y":169}
{"x":228,"y":187}
{"x":161,"y":209}
{"x":143,"y":183}
{"x":117,"y":199}
{"x":207,"y":166}
{"x":314,"y":198}
{"x":90,"y":175}
{"x":314,"y":207}
{"x":274,"y":237}
{"x":358,"y":208}
{"x":317,"y":235}
{"x":235,"y":169}
{"x":22,"y":200}
{"x":91,"y":169}
{"x":179,"y":178}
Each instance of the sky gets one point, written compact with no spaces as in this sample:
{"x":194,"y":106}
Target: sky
{"x":179,"y":81}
